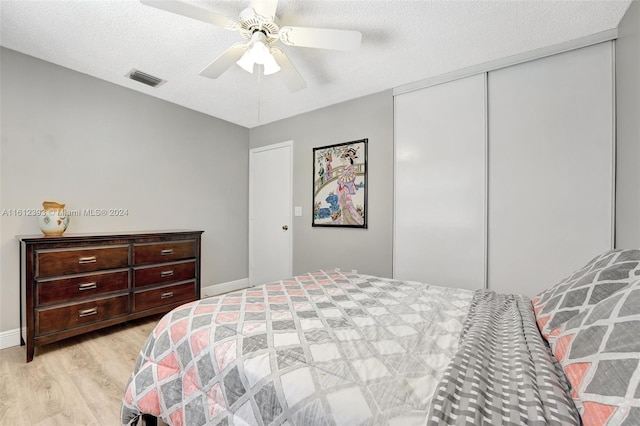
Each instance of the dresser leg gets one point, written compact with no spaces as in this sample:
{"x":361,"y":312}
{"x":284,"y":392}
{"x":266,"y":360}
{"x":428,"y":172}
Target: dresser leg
{"x":30,"y":350}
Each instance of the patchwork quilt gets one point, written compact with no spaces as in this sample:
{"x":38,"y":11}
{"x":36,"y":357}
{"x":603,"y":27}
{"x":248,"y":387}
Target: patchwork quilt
{"x":324,"y":348}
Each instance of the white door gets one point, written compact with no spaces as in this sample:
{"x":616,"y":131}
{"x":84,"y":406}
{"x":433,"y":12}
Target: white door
{"x":440,"y":159}
{"x":270,"y":187}
{"x":551,"y":173}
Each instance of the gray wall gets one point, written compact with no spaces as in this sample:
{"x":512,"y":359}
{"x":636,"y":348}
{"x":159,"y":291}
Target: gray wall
{"x":79,"y":140}
{"x":367,"y":250}
{"x":628,"y":129}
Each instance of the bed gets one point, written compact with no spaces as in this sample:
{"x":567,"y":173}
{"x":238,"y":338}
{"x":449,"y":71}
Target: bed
{"x":331,"y":348}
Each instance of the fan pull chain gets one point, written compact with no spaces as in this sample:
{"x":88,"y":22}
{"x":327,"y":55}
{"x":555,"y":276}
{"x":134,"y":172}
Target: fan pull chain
{"x":259,"y":92}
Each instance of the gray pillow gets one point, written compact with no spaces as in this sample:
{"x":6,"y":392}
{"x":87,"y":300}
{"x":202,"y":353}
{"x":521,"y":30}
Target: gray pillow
{"x":601,"y":278}
{"x":599,"y":350}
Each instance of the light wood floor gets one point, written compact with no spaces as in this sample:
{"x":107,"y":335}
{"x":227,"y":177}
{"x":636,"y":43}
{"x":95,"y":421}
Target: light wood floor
{"x":78,"y":381}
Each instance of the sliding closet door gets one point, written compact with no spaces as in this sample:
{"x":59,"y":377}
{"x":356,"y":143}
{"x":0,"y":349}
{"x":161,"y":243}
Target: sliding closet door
{"x":550,"y":168}
{"x":439,"y":235}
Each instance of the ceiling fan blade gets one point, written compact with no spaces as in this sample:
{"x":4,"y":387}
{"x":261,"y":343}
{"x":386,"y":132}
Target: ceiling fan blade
{"x":192,"y":12}
{"x":266,"y":8}
{"x":224,"y":61}
{"x":320,"y":38}
{"x":288,"y":72}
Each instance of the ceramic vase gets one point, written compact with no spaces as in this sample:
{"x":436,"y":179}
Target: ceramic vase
{"x":53,"y":221}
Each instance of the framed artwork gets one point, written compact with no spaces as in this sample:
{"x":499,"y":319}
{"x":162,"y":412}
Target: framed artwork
{"x":340,"y":185}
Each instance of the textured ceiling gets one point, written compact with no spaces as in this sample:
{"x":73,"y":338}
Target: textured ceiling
{"x":403,"y":42}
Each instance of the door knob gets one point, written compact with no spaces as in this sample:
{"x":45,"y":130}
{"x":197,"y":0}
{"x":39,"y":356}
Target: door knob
{"x":285,"y":227}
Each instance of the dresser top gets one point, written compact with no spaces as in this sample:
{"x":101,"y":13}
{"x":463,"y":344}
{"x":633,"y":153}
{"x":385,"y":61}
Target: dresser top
{"x":104,"y":235}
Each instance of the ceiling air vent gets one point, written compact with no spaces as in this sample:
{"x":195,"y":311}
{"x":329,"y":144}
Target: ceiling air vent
{"x":145,"y":78}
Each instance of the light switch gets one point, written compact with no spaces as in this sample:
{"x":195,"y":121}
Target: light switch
{"x":298,"y":211}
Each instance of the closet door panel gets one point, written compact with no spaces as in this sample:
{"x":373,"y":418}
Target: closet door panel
{"x":439,"y":235}
{"x":550,"y":168}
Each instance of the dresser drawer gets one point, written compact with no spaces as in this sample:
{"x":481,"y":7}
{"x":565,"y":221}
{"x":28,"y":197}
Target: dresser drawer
{"x":144,"y":254}
{"x":164,"y":274}
{"x":51,"y":263}
{"x":67,"y":289}
{"x":70,"y":316}
{"x":164,"y":296}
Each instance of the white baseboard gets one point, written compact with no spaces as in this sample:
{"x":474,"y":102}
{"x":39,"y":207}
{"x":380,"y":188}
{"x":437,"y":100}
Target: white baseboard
{"x":216,"y":289}
{"x":9,"y":338}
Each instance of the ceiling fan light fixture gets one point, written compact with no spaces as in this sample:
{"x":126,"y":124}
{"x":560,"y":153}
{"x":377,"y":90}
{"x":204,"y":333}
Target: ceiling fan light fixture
{"x":259,"y":53}
{"x":270,"y":65}
{"x":245,"y":62}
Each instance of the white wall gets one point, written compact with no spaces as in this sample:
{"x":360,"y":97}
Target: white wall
{"x":79,"y":140}
{"x":628,"y":129}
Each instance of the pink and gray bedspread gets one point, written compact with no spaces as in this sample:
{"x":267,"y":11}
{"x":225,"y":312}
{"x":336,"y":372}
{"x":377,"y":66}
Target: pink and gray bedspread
{"x":328,"y":348}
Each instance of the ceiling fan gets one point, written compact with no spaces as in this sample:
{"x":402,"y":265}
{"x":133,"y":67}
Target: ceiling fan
{"x":260,"y":26}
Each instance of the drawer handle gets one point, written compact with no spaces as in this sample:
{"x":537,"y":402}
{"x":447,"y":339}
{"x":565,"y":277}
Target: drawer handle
{"x":166,"y":295}
{"x":87,"y":312}
{"x":87,"y":259}
{"x":166,"y":252}
{"x":166,"y":274}
{"x":87,"y":286}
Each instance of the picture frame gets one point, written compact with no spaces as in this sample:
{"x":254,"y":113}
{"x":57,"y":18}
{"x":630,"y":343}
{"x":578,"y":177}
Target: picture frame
{"x":340,"y":185}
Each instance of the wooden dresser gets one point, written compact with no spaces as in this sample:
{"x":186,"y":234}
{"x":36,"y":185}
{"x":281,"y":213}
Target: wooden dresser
{"x":78,"y":283}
